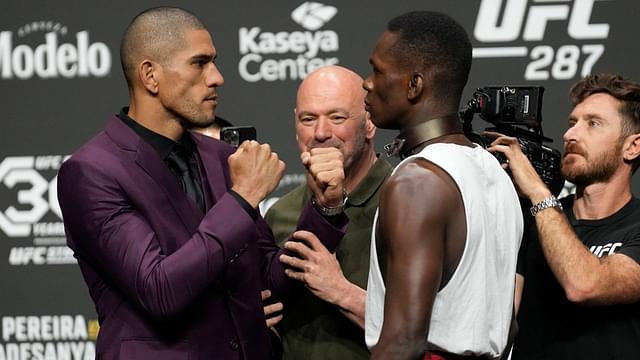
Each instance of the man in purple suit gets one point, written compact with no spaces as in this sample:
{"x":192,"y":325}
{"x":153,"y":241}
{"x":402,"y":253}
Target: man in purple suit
{"x":163,"y":222}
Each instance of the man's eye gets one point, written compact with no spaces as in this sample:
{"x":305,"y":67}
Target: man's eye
{"x":201,"y":63}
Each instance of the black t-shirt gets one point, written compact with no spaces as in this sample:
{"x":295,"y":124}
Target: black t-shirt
{"x":550,"y":326}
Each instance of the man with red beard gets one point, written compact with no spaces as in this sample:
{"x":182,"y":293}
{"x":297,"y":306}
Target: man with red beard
{"x":581,"y":297}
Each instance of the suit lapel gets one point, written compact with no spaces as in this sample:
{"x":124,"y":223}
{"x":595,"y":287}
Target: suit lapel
{"x":149,"y":160}
{"x":213,"y":157}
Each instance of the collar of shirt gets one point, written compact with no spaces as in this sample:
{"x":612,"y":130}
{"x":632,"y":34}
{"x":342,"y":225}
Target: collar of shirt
{"x":163,"y":145}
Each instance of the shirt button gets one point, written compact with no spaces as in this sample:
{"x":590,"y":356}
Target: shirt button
{"x":234,"y":345}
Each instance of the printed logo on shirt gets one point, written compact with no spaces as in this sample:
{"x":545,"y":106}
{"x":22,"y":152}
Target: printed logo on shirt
{"x":518,"y":29}
{"x":605,"y":250}
{"x":30,"y":217}
{"x":48,"y":337}
{"x":280,"y":55}
{"x":25,"y":54}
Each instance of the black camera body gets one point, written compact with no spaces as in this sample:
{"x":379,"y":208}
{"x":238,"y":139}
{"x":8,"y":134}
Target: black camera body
{"x":516,"y":111}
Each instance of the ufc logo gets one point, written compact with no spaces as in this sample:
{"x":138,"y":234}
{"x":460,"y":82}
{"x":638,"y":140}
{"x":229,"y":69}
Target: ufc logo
{"x":513,"y":14}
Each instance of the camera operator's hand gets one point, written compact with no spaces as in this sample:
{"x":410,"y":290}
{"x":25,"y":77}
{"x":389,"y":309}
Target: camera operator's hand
{"x":255,"y":171}
{"x":525,"y":177}
{"x":325,"y":175}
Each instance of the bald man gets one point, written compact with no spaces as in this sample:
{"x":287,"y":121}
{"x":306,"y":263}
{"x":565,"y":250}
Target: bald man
{"x":326,"y":318}
{"x":163,"y":221}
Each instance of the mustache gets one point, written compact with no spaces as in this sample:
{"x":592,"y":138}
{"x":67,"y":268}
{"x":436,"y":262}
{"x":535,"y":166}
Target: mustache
{"x":325,"y":144}
{"x":573,"y":148}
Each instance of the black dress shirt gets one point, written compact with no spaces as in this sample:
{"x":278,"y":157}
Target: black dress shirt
{"x":185,"y":149}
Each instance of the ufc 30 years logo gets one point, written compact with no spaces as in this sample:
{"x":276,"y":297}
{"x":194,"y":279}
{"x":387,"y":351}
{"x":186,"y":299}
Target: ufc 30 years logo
{"x":501,"y":21}
{"x":32,"y":180}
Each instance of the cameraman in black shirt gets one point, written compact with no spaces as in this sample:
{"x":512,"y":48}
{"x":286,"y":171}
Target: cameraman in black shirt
{"x":581,"y":297}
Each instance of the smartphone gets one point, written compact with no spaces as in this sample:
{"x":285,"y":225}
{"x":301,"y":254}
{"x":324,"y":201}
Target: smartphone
{"x":235,"y":135}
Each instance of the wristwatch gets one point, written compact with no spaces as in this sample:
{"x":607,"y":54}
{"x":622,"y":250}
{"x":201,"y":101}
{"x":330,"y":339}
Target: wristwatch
{"x":330,"y":211}
{"x":545,"y":204}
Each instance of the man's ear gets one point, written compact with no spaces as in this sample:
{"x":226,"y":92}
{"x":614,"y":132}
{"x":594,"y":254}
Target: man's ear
{"x":148,"y":73}
{"x":369,"y":127}
{"x":416,"y":86}
{"x":631,"y":147}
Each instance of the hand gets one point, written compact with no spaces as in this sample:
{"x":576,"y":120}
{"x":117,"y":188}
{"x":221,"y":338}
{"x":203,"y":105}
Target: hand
{"x":315,"y":266}
{"x":525,"y":177}
{"x":255,"y":171}
{"x":325,"y":175}
{"x":271,"y":309}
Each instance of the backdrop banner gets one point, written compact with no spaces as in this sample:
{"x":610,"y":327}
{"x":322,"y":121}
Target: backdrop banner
{"x":60,"y":80}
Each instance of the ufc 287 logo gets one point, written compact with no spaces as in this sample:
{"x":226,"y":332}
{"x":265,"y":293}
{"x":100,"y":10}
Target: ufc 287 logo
{"x":507,"y":20}
{"x":35,"y":195}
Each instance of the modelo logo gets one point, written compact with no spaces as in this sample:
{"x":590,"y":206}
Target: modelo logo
{"x":256,"y":45}
{"x":53,"y":59}
{"x":498,"y":22}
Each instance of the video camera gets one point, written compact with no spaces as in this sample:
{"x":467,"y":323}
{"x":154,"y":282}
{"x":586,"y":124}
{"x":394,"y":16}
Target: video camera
{"x":516,"y":111}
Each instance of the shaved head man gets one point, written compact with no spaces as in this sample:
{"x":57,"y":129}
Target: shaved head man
{"x":330,"y":113}
{"x":325,"y":320}
{"x":168,"y":59}
{"x":164,"y":222}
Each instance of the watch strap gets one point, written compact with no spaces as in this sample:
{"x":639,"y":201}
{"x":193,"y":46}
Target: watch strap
{"x":330,"y":211}
{"x":550,"y":202}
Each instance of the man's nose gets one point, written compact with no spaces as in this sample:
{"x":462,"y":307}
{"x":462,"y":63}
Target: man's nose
{"x":214,"y":77}
{"x":323,"y":129}
{"x":367,"y":84}
{"x":572,"y":133}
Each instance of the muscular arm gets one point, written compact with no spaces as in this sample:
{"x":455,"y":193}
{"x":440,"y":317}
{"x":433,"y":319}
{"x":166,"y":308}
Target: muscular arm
{"x":416,"y":205}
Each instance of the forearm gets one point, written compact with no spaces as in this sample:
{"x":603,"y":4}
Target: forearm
{"x":127,"y":253}
{"x":352,"y":303}
{"x":329,"y":232}
{"x":575,"y":268}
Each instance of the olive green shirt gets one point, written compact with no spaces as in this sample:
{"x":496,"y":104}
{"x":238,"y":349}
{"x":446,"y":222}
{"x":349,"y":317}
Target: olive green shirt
{"x":311,"y":328}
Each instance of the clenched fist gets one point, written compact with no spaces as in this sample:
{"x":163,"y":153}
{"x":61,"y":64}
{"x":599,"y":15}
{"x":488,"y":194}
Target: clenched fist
{"x":255,"y":171}
{"x":325,"y":175}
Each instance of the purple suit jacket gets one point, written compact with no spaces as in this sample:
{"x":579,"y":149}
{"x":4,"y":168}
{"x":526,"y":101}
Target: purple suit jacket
{"x":168,"y":281}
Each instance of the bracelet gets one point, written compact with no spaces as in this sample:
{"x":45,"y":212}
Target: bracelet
{"x":549,"y":202}
{"x":330,"y":211}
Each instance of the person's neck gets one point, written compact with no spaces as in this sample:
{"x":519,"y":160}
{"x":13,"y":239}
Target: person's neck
{"x":358,"y":171}
{"x":155,"y":118}
{"x":600,"y":200}
{"x":443,"y":128}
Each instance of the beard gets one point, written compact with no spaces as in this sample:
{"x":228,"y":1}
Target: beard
{"x":597,"y":170}
{"x":192,"y":115}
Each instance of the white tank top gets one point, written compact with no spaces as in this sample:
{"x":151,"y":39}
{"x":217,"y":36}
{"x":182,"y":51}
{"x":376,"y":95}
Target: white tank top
{"x":472,"y":313}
